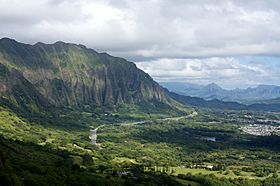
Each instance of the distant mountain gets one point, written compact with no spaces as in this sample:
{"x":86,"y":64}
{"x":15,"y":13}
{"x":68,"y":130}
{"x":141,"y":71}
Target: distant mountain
{"x":217,"y":104}
{"x":73,"y":76}
{"x":268,"y":101}
{"x":213,"y":91}
{"x":180,"y":87}
{"x":271,"y":101}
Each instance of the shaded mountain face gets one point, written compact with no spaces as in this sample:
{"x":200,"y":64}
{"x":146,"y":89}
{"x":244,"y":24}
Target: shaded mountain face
{"x":71,"y":75}
{"x":213,"y":91}
{"x":18,"y":93}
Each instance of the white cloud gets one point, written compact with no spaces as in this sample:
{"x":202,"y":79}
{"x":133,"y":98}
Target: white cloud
{"x":153,"y":29}
{"x":164,"y":30}
{"x":226,"y":71}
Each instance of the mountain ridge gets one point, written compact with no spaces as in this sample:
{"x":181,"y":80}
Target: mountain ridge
{"x":214,"y":91}
{"x":225,"y":105}
{"x":72,"y":75}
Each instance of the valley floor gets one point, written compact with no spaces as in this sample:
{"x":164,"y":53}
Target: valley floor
{"x":206,"y":147}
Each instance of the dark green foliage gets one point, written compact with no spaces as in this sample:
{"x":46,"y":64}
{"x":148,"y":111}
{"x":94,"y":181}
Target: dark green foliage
{"x":30,"y":164}
{"x":167,"y":144}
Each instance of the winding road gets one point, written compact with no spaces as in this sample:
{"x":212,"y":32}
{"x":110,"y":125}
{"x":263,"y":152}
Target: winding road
{"x":93,"y":135}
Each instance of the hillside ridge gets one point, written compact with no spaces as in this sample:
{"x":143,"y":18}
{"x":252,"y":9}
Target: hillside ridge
{"x":74,"y":76}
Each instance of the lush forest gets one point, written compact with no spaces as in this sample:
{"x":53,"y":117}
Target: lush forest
{"x":206,"y":149}
{"x":72,"y":116}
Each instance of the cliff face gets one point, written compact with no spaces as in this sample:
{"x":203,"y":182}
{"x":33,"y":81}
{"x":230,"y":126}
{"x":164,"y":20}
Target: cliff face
{"x":18,"y":93}
{"x":74,"y":76}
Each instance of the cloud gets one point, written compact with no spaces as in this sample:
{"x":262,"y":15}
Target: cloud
{"x":149,"y":28}
{"x":226,"y":71}
{"x":182,"y":40}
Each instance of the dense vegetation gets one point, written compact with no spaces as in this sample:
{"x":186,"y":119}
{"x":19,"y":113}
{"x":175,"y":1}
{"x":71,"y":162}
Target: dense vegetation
{"x":153,"y":152}
{"x":53,"y":98}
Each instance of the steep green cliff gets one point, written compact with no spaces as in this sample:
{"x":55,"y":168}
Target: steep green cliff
{"x":18,"y":93}
{"x":70,"y":75}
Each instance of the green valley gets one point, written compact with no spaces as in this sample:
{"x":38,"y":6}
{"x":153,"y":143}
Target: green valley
{"x":72,"y":116}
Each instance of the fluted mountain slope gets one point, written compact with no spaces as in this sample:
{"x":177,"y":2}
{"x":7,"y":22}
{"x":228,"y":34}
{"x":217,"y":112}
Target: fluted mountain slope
{"x":71,"y":75}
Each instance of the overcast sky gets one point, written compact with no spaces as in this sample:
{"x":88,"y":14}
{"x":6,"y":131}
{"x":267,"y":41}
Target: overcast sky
{"x":233,"y":43}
